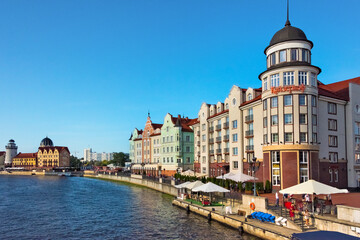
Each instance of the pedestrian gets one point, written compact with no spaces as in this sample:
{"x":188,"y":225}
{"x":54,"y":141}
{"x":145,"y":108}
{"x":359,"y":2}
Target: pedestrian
{"x":315,"y":202}
{"x":307,"y":218}
{"x":307,"y":198}
{"x":292,"y":212}
{"x":277,"y":198}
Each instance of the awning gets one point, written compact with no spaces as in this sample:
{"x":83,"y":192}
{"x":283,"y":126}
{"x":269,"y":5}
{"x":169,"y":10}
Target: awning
{"x":312,"y":186}
{"x":209,"y":188}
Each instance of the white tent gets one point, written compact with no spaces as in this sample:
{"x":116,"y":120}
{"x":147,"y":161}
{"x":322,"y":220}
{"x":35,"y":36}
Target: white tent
{"x":183,"y":185}
{"x":193,"y":185}
{"x":312,"y":186}
{"x":209,"y":188}
{"x":237,"y":177}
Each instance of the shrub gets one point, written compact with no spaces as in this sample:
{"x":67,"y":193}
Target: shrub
{"x":248,"y":186}
{"x":268,"y":186}
{"x":259,"y":186}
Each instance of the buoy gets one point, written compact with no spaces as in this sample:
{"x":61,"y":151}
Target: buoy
{"x":252,"y":206}
{"x":241,"y":230}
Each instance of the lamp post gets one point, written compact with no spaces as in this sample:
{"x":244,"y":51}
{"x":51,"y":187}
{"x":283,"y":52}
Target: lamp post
{"x":254,"y":167}
{"x":142,"y":170}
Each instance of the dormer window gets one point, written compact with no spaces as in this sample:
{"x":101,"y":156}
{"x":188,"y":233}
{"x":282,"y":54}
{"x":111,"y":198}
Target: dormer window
{"x":218,"y":109}
{"x":294,"y":54}
{"x":283,"y":56}
{"x":249,"y":97}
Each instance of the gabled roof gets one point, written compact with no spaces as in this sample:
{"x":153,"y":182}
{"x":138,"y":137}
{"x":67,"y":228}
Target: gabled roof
{"x":59,"y":148}
{"x":2,"y":153}
{"x":250,"y":101}
{"x":338,"y":90}
{"x":26,"y":155}
{"x":156,"y":125}
{"x":219,"y":113}
{"x":185,"y":123}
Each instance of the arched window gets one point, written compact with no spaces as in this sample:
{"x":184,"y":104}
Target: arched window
{"x":226,"y":106}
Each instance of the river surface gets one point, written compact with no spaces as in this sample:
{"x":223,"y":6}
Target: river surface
{"x":43,"y":207}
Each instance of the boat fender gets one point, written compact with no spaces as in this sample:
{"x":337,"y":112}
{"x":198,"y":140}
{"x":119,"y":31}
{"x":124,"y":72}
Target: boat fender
{"x":188,"y":209}
{"x":241,"y":230}
{"x":209,"y":217}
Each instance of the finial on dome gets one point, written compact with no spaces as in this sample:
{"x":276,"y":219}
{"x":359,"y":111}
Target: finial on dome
{"x":287,"y":19}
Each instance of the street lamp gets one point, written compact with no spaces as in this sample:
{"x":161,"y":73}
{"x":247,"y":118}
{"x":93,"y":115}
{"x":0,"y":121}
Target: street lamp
{"x":254,"y":166}
{"x":142,"y":171}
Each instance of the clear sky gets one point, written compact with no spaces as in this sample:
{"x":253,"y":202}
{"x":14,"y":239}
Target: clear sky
{"x":86,"y":72}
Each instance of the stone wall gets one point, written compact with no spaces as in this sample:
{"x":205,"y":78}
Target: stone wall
{"x":348,"y":213}
{"x":332,"y":224}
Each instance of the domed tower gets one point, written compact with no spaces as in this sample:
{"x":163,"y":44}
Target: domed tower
{"x":46,"y":142}
{"x":289,"y":95}
{"x":11,"y":152}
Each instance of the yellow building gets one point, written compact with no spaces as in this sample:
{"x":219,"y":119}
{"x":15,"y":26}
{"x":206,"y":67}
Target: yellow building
{"x":50,"y":156}
{"x":26,"y":160}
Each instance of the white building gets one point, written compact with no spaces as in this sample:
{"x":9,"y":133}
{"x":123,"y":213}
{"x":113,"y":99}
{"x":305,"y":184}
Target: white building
{"x":89,"y":155}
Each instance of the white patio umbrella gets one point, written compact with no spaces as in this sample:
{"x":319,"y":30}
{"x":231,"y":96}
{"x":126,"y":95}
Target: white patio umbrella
{"x":188,"y":173}
{"x":312,"y":186}
{"x":182,"y":185}
{"x":193,"y":185}
{"x":224,"y":176}
{"x":238,"y":177}
{"x":209,"y":188}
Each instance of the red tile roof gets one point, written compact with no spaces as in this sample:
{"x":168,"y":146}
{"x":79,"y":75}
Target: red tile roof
{"x":250,"y":101}
{"x":339,"y":90}
{"x":137,"y":139}
{"x":59,"y":148}
{"x":185,"y":122}
{"x":2,"y":153}
{"x":217,"y":114}
{"x":194,"y":121}
{"x":155,"y":134}
{"x":26,"y":155}
{"x":156,"y":125}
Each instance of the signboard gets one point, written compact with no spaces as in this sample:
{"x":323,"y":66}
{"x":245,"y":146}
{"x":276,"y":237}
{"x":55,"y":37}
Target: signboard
{"x":276,"y":90}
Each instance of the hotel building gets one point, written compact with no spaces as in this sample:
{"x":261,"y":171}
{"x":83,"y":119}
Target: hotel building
{"x":295,"y":126}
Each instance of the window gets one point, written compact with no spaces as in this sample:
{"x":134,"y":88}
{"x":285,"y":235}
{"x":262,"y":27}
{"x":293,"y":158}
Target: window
{"x":333,"y":157}
{"x":305,"y":55}
{"x":357,"y":157}
{"x":274,"y":137}
{"x":265,"y":84}
{"x":332,"y":124}
{"x":203,"y":127}
{"x":333,"y":141}
{"x":314,"y":120}
{"x":302,"y":119}
{"x":274,"y":80}
{"x":203,"y":137}
{"x":288,"y":137}
{"x":265,"y":138}
{"x":288,"y":78}
{"x":272,"y":59}
{"x":303,"y":137}
{"x":313,"y":101}
{"x":265,"y":122}
{"x":187,"y":138}
{"x":283,"y":56}
{"x":274,"y":102}
{"x":294,"y":54}
{"x":265,"y":104}
{"x":304,"y":167}
{"x":235,"y":151}
{"x":235,"y":137}
{"x":227,"y":106}
{"x":288,"y":100}
{"x":357,"y":128}
{"x":332,"y":108}
{"x":236,"y":164}
{"x":275,"y":164}
{"x":188,"y":149}
{"x":331,"y":175}
{"x":302,"y":78}
{"x":336,"y":173}
{"x":274,"y":120}
{"x":203,"y":148}
{"x":302,"y":100}
{"x":204,"y":159}
{"x":204,"y":170}
{"x":234,"y":124}
{"x":314,"y":137}
{"x":249,"y":97}
{"x":313,"y":79}
{"x":288,"y":119}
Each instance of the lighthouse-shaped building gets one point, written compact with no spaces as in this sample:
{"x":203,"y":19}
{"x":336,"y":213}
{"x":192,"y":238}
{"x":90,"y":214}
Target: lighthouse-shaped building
{"x":11,"y":152}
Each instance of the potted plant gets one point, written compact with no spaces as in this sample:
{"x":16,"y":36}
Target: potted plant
{"x":267,"y":186}
{"x":248,"y":187}
{"x":259,"y":187}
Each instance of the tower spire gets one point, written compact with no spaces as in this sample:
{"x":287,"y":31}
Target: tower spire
{"x":287,"y":17}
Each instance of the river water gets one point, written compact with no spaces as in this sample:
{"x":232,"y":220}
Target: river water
{"x":34,"y":207}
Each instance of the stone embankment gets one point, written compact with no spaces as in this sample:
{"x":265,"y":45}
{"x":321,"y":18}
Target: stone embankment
{"x":22,"y":173}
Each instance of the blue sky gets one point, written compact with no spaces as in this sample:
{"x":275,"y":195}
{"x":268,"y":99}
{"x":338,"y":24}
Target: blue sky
{"x":86,"y":72}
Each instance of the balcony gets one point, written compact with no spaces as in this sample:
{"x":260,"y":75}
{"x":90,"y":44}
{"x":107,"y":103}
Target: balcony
{"x":226,"y":125}
{"x":226,"y":150}
{"x":211,"y":140}
{"x":218,"y":139}
{"x":211,"y":129}
{"x":198,"y":133}
{"x":226,"y":138}
{"x":249,"y":118}
{"x":249,"y":133}
{"x":198,"y":153}
{"x":218,"y":127}
{"x":198,"y":143}
{"x":218,"y":151}
{"x":250,"y":148}
{"x":211,"y":152}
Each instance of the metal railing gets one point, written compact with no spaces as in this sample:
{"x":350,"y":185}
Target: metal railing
{"x":198,"y":143}
{"x":211,"y":140}
{"x":249,"y":133}
{"x":211,"y":129}
{"x":218,"y":127}
{"x":250,"y":148}
{"x":249,"y":118}
{"x":198,"y":133}
{"x":226,"y":137}
{"x":226,"y":150}
{"x":218,"y":139}
{"x":218,"y":151}
{"x":211,"y":152}
{"x":226,"y":125}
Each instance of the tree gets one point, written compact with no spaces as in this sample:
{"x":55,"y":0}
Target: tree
{"x":120,"y":158}
{"x":74,"y":162}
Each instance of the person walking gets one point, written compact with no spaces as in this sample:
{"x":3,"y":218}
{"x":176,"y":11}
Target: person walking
{"x":307,"y":218}
{"x":277,"y":198}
